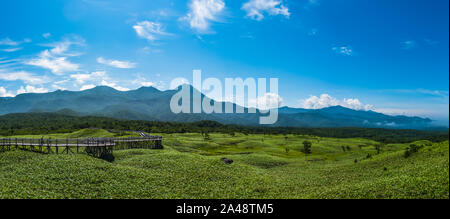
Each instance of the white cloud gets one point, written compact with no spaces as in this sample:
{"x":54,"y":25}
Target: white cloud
{"x":312,"y":3}
{"x":56,"y":59}
{"x":114,"y":85}
{"x":422,"y":112}
{"x":343,"y":50}
{"x":177,"y":82}
{"x":256,"y":8}
{"x":22,"y":76}
{"x":141,"y":81}
{"x":5,"y":93}
{"x":62,"y":82}
{"x":94,"y":76}
{"x":147,"y":84}
{"x":202,"y":13}
{"x":31,"y":89}
{"x":439,"y":93}
{"x":326,"y":100}
{"x":46,"y":35}
{"x":116,"y":63}
{"x":323,"y":101}
{"x":436,"y":93}
{"x":148,"y":50}
{"x":87,"y":87}
{"x":12,"y":49}
{"x":81,"y":78}
{"x":149,"y":30}
{"x":356,"y":105}
{"x":62,"y":48}
{"x":410,"y":44}
{"x":58,"y":87}
{"x":268,"y":101}
{"x":57,"y":65}
{"x":8,"y":42}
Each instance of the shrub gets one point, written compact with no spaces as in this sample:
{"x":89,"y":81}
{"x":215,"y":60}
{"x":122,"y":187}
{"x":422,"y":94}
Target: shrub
{"x":307,"y":148}
{"x":378,"y":148}
{"x":413,"y":148}
{"x":407,"y":153}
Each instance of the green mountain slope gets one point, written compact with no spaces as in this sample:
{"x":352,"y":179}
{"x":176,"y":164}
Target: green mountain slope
{"x":148,"y":103}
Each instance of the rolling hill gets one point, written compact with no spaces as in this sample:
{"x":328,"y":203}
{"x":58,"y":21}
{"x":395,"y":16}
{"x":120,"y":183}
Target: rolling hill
{"x":191,"y":168}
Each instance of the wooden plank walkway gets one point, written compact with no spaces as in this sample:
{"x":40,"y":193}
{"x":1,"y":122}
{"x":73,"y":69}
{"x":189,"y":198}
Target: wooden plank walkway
{"x":96,"y":147}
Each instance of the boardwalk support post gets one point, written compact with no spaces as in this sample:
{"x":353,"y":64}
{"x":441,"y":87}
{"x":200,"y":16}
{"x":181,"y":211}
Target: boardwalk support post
{"x":96,"y":147}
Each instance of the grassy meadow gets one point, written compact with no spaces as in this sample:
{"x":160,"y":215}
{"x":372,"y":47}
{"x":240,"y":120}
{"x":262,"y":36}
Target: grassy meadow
{"x":265,"y":166}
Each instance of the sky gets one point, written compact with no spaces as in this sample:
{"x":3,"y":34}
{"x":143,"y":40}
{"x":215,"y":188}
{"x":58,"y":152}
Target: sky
{"x":387,"y":56}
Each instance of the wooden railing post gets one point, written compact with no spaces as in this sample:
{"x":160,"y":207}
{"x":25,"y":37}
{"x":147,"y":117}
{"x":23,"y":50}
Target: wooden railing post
{"x":93,"y":146}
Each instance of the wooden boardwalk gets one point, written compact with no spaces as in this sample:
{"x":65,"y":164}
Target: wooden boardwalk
{"x":97,"y":147}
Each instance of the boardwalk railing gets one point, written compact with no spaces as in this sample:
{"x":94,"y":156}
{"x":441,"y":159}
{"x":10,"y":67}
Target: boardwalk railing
{"x":96,"y":147}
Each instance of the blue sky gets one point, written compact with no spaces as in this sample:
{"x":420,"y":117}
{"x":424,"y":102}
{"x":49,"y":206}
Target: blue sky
{"x":384,"y":55}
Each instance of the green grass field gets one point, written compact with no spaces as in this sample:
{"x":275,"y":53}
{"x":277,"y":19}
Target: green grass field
{"x":264,"y":167}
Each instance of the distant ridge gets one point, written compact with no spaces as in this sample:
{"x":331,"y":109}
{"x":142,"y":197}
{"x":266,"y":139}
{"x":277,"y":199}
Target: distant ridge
{"x":149,"y":103}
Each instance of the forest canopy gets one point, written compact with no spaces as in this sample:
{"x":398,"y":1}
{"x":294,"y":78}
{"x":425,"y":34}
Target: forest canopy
{"x":48,"y":123}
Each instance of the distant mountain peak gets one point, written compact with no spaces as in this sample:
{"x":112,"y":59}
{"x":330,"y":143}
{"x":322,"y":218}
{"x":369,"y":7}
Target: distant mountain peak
{"x":149,"y":103}
{"x":103,"y":88}
{"x":339,"y":107}
{"x":150,"y":88}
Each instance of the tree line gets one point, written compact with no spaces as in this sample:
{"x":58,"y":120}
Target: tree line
{"x":49,"y":123}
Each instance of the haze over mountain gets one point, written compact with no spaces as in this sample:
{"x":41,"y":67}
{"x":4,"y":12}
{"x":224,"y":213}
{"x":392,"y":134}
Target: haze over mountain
{"x":148,"y":103}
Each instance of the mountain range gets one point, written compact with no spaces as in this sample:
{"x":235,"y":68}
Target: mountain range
{"x":148,"y":103}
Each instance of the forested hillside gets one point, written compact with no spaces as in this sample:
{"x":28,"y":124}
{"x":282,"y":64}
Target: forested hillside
{"x":45,"y":123}
{"x":148,"y":103}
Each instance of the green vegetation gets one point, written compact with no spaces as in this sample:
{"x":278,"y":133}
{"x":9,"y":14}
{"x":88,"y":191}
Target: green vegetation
{"x":48,"y":123}
{"x":84,"y":133}
{"x":413,"y":148}
{"x":265,"y":166}
{"x":307,"y":149}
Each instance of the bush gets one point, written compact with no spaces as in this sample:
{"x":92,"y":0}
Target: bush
{"x":378,"y":148}
{"x":407,"y":153}
{"x":107,"y":157}
{"x":413,"y":148}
